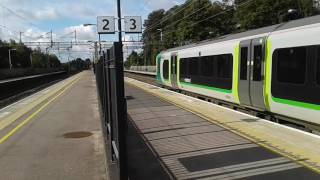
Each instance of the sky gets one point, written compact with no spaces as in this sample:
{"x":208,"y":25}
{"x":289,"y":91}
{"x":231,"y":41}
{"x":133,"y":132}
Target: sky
{"x":35,"y":18}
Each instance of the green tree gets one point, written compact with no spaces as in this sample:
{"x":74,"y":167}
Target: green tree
{"x":260,"y":13}
{"x":151,"y":36}
{"x":54,"y":61}
{"x":187,"y":23}
{"x":39,"y":60}
{"x":133,"y":59}
{"x":197,"y":20}
{"x":21,"y":56}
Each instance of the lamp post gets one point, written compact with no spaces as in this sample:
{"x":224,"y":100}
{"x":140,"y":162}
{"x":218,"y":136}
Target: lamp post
{"x":10,"y":64}
{"x":31,"y":59}
{"x":95,"y":46}
{"x":90,"y":24}
{"x":20,"y":40}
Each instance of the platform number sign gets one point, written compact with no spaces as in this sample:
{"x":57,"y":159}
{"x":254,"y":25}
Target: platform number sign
{"x":105,"y":24}
{"x":133,"y":24}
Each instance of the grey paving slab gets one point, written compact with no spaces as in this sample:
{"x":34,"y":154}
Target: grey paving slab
{"x":193,"y":148}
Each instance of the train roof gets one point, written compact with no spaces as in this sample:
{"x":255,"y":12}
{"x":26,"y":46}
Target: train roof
{"x":273,"y":28}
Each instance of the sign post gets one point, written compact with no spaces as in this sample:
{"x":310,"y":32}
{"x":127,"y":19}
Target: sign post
{"x":133,"y":24}
{"x":105,"y":25}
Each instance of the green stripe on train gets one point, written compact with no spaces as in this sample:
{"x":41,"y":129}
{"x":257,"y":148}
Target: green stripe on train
{"x":158,"y":77}
{"x":296,"y":103}
{"x":206,"y":87}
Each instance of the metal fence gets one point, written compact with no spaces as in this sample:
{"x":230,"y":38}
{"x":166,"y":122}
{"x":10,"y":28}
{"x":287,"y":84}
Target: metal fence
{"x":110,"y":87}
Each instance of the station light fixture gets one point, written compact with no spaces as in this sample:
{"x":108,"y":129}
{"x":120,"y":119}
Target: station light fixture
{"x":89,"y":24}
{"x":10,"y":63}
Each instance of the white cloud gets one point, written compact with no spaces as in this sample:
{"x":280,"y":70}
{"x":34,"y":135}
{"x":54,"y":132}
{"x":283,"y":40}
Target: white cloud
{"x":82,"y":32}
{"x":47,"y":14}
{"x":81,"y":10}
{"x":160,"y":4}
{"x":38,"y":17}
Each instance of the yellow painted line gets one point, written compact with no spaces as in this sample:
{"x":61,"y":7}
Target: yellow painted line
{"x":6,"y":121}
{"x":278,"y":150}
{"x":14,"y":130}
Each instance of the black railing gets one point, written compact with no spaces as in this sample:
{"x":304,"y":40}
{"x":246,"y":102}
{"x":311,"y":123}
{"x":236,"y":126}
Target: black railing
{"x":110,"y":87}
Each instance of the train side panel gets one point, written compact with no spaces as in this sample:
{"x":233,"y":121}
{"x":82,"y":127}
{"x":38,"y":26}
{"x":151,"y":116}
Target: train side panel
{"x":295,"y":100}
{"x":211,"y":91}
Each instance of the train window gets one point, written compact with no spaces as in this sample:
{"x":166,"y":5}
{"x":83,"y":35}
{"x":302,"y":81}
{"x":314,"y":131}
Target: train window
{"x":291,"y":66}
{"x":165,"y":69}
{"x":257,"y":62}
{"x":183,"y":68}
{"x":243,"y":63}
{"x":318,"y":66}
{"x":194,"y":66}
{"x":207,"y":66}
{"x":224,"y":63}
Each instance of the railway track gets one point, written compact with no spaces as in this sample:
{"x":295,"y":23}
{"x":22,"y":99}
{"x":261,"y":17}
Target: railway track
{"x":18,"y":96}
{"x":25,"y":90}
{"x":144,"y":78}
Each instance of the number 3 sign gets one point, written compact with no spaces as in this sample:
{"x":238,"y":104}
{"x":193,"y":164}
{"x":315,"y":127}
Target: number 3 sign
{"x":105,"y":24}
{"x":133,"y":24}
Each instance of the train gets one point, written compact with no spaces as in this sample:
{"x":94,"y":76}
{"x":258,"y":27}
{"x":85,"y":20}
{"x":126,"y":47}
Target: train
{"x":274,"y":70}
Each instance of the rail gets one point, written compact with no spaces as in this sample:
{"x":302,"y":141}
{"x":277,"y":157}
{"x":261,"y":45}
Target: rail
{"x":141,"y":72}
{"x":14,"y":86}
{"x":30,"y":77}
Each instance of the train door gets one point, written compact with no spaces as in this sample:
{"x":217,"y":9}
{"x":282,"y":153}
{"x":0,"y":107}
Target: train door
{"x":174,"y":70}
{"x":251,"y":73}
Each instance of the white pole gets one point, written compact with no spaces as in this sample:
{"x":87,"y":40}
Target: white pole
{"x":31,"y":59}
{"x":10,"y":64}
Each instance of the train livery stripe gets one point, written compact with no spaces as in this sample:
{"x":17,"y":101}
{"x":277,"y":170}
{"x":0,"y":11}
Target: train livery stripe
{"x":170,"y":71}
{"x":267,"y":81}
{"x":297,"y":103}
{"x":206,"y":87}
{"x":158,"y":61}
{"x":178,"y":72}
{"x":236,"y":73}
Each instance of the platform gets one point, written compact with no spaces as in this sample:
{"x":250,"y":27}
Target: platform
{"x":194,"y":139}
{"x":54,"y":134}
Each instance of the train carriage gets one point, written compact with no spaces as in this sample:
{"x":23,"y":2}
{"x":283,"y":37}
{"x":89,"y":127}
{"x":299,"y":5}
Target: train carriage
{"x":275,"y":69}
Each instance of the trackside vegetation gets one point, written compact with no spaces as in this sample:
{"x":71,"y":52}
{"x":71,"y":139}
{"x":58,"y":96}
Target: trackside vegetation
{"x":198,"y":20}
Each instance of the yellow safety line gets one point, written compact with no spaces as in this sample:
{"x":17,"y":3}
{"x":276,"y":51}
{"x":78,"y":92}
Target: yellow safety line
{"x":7,"y":136}
{"x":270,"y":148}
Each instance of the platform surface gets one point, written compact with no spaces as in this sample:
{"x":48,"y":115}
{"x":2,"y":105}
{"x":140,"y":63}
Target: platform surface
{"x":56,"y":134}
{"x":191,"y":147}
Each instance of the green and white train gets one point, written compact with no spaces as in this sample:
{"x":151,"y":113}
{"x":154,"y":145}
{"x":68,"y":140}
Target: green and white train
{"x":274,"y":70}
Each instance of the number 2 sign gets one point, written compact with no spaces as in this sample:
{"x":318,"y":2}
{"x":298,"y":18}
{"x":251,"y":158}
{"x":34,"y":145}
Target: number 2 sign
{"x":133,"y":24}
{"x":105,"y":24}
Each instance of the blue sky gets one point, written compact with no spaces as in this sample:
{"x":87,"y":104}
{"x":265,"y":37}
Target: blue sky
{"x":36,"y":17}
